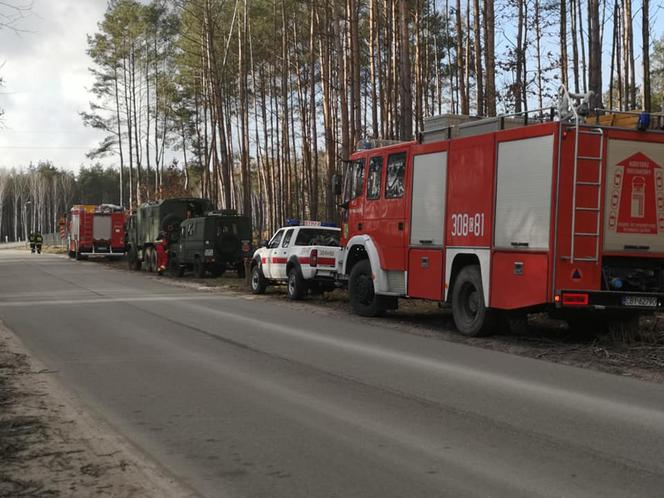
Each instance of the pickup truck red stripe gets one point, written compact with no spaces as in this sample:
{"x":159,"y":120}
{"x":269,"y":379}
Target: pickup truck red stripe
{"x":321,"y":261}
{"x":279,"y":261}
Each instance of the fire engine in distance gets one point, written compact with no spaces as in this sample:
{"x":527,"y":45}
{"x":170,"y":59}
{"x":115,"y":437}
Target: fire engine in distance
{"x":505,"y":216}
{"x":302,"y":256}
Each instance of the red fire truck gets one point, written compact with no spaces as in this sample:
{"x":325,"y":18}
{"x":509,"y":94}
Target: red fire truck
{"x":506,"y":216}
{"x":96,"y":230}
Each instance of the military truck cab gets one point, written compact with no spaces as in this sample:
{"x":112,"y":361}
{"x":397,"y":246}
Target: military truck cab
{"x":212,"y":244}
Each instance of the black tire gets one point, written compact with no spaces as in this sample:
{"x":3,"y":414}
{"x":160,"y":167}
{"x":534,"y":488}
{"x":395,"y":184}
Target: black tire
{"x":241,"y":272}
{"x":199,"y":268}
{"x":217,"y":271}
{"x":174,"y":266}
{"x":132,"y":259}
{"x":625,"y":329}
{"x":258,"y":282}
{"x":471,"y":315}
{"x":150,"y":260}
{"x":363,"y":299}
{"x":513,"y":322}
{"x":297,"y":287}
{"x":586,"y":325}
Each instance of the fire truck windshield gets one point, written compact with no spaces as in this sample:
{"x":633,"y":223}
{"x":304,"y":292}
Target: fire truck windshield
{"x":353,"y":180}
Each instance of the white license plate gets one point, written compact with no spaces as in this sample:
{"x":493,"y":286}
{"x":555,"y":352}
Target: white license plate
{"x":209,"y":252}
{"x":643,"y":301}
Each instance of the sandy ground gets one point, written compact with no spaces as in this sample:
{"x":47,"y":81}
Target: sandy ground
{"x":52,"y":446}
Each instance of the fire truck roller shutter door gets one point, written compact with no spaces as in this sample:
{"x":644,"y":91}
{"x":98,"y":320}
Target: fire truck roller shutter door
{"x":523,"y":193}
{"x":428,"y":199}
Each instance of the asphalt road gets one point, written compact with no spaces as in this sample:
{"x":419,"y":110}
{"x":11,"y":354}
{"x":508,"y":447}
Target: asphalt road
{"x":238,"y":396}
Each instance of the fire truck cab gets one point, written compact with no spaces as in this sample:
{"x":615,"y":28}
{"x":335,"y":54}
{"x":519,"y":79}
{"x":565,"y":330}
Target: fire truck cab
{"x":510,"y":216}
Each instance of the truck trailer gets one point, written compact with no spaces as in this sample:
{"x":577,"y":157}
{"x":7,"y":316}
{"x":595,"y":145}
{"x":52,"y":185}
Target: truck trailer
{"x":507,"y":216}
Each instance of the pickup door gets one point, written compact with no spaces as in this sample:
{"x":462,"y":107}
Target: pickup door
{"x":278,"y":255}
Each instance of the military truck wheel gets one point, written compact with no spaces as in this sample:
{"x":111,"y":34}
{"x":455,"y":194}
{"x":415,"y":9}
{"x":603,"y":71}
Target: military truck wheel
{"x":297,"y":287}
{"x":363,"y":299}
{"x":150,"y":260}
{"x":132,"y":258}
{"x":471,"y":315}
{"x":258,"y":283}
{"x":174,"y":267}
{"x":199,"y":268}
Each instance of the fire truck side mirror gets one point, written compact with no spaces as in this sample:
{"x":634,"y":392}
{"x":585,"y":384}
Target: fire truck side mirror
{"x":336,"y":184}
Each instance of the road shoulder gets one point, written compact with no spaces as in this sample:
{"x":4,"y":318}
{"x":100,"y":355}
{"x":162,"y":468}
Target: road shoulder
{"x":51,"y":445}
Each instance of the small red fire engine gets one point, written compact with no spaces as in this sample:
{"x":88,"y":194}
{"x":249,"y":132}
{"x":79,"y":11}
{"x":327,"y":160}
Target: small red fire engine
{"x":510,"y":215}
{"x":96,"y":230}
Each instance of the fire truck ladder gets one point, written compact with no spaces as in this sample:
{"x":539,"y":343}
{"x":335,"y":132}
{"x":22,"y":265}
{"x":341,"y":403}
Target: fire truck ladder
{"x":593,"y":183}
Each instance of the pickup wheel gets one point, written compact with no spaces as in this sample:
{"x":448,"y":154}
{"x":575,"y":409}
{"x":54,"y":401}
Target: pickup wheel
{"x":199,"y":268}
{"x":363,"y":299}
{"x":297,"y":287}
{"x":471,"y":315}
{"x":258,"y":283}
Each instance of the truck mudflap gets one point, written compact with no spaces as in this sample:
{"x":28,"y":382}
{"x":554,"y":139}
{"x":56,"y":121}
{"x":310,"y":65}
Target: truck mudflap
{"x":610,"y":300}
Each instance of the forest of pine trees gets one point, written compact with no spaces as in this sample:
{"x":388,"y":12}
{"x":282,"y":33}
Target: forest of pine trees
{"x":256,"y":103}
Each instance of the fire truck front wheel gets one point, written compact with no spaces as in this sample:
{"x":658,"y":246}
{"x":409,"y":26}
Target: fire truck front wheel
{"x":363,"y":298}
{"x":471,"y":316}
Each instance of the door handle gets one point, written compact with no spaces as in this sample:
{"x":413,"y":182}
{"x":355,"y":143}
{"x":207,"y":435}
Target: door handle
{"x":400,"y":226}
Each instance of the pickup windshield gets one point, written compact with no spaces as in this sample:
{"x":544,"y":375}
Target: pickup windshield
{"x":317,"y":237}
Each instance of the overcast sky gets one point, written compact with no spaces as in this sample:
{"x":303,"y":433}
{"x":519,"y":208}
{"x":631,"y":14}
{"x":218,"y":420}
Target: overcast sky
{"x":46,"y":77}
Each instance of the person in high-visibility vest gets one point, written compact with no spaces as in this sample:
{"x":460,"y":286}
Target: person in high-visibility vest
{"x":36,"y":240}
{"x":39,"y":240}
{"x":161,"y":246}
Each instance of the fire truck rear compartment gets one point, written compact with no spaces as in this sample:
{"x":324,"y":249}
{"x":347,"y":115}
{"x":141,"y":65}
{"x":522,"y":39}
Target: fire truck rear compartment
{"x":623,"y":274}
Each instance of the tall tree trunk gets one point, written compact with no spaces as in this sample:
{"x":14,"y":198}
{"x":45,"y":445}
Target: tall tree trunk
{"x":405,"y":88}
{"x":564,"y":73}
{"x":460,"y":63}
{"x":595,"y":54}
{"x":479,"y":84}
{"x":645,"y":35}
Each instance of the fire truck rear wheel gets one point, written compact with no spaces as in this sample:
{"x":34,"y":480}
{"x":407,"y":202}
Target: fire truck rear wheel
{"x":363,"y":298}
{"x":297,"y":287}
{"x":471,"y":316}
{"x":258,"y":283}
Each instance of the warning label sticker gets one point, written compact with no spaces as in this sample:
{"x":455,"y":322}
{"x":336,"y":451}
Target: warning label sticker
{"x":636,"y":190}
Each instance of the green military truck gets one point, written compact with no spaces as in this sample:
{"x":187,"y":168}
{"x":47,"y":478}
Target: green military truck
{"x":212,"y":244}
{"x":149,"y":220}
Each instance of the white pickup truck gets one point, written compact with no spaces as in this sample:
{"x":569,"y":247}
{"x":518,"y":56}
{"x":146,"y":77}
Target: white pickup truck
{"x":304,"y":257}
